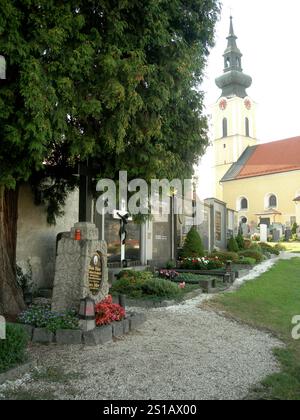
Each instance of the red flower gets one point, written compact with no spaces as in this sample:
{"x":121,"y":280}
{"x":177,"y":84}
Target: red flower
{"x":108,"y":312}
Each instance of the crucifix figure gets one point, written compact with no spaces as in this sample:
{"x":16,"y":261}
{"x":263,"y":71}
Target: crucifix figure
{"x":124,"y":218}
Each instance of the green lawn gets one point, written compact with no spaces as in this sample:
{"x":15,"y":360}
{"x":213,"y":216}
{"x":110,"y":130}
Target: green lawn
{"x":270,"y":303}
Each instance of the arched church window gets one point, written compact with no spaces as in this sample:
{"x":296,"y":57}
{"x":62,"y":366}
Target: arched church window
{"x":244,"y":204}
{"x":238,"y":62}
{"x":247,"y":126}
{"x":228,"y":62}
{"x":272,"y":201}
{"x":225,"y":127}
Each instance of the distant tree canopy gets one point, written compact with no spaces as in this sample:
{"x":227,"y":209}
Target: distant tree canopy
{"x":112,"y":80}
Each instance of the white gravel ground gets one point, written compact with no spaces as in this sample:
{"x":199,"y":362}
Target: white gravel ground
{"x":182,"y":352}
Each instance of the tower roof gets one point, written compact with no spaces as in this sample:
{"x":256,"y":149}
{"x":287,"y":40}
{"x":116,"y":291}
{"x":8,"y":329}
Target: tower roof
{"x":233,"y":82}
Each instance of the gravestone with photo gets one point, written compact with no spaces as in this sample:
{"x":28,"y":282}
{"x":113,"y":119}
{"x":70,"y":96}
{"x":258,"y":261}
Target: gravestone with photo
{"x":81,"y":268}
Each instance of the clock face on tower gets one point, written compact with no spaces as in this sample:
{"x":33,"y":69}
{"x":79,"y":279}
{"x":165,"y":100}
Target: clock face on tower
{"x":248,"y":104}
{"x":223,"y":104}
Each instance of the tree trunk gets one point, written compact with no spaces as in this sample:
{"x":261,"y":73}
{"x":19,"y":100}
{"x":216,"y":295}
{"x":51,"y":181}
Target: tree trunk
{"x":11,"y":299}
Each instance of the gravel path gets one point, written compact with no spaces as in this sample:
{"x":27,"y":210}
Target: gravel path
{"x":182,"y":352}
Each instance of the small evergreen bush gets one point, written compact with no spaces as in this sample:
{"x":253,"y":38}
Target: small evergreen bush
{"x":13,"y":349}
{"x":226,"y":256}
{"x":233,"y":245}
{"x":193,"y":246}
{"x":240,"y":241}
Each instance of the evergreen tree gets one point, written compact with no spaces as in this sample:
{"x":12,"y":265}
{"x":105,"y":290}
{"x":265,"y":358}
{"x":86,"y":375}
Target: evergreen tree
{"x":193,"y":246}
{"x":233,"y":245}
{"x":240,"y":241}
{"x":111,"y":80}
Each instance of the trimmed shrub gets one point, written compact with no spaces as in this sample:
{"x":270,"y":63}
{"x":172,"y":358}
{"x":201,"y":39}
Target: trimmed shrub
{"x":193,"y":246}
{"x":268,"y":248}
{"x":233,"y":245}
{"x":294,"y":229}
{"x":226,"y":256}
{"x":280,"y":247}
{"x":246,"y":261}
{"x":240,"y":241}
{"x":252,"y":253}
{"x":143,"y":285}
{"x":13,"y":349}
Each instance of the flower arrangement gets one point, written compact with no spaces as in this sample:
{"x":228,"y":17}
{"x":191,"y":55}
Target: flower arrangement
{"x":108,"y":312}
{"x":43,"y":317}
{"x":203,"y":263}
{"x":168,"y":274}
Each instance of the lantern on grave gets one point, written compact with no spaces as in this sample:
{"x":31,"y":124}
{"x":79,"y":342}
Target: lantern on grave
{"x":2,"y":68}
{"x":87,"y":314}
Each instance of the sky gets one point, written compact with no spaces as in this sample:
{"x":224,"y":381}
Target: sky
{"x":268,"y":34}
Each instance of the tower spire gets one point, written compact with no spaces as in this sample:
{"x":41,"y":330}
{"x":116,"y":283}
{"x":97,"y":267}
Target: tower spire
{"x":233,"y":82}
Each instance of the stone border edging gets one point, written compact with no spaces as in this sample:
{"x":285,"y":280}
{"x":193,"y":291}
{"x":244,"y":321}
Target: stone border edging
{"x":15,"y":373}
{"x":98,"y":336}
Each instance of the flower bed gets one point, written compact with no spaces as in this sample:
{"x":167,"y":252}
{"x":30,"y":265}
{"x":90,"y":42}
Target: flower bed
{"x":204,"y":263}
{"x":42,"y":317}
{"x":108,"y":312}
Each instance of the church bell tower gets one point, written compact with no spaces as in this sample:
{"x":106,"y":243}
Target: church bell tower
{"x":233,"y":115}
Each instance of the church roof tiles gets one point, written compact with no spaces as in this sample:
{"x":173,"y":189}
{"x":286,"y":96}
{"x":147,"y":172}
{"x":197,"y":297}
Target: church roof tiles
{"x":266,"y":159}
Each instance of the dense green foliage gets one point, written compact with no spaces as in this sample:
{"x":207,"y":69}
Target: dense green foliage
{"x":111,"y":80}
{"x":193,"y":246}
{"x":269,"y":248}
{"x":294,"y":228}
{"x":252,"y":253}
{"x":233,"y":245}
{"x":245,"y":261}
{"x":13,"y":349}
{"x":142,"y":286}
{"x":270,"y":303}
{"x":240,"y":241}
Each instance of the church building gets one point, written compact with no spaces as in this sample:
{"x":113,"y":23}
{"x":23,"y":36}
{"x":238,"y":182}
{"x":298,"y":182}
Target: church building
{"x":260,"y":181}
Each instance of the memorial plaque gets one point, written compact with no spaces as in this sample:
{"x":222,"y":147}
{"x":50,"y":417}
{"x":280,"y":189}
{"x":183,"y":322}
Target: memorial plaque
{"x":95,"y":274}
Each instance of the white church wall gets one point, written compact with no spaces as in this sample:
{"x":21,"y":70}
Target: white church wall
{"x":36,"y":244}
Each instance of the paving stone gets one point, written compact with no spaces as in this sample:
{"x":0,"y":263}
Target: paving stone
{"x":69,"y":337}
{"x":118,"y":329}
{"x":126,"y":326}
{"x":100,"y":335}
{"x":41,"y":335}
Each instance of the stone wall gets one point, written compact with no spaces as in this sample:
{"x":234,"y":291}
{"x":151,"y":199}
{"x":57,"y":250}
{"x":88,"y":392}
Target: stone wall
{"x":36,"y":245}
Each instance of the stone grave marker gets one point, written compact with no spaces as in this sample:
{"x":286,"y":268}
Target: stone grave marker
{"x":263,"y":233}
{"x":288,"y":235}
{"x":81,"y":268}
{"x":276,"y":235}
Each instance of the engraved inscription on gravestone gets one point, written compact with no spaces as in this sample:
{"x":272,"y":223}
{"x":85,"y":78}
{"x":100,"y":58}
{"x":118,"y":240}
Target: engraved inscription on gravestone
{"x":95,"y":273}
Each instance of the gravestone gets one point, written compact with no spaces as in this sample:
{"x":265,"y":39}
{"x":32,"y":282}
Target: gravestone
{"x":263,"y":233}
{"x":2,"y":68}
{"x":288,"y":235}
{"x":81,"y":268}
{"x":276,"y":235}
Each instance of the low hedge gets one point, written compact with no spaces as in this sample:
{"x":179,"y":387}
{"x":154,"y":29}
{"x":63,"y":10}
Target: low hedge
{"x":142,"y":285}
{"x":268,"y":248}
{"x":252,"y":253}
{"x":13,"y":349}
{"x":246,"y":261}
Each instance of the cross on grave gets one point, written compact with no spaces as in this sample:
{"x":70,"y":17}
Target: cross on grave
{"x":124,"y":218}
